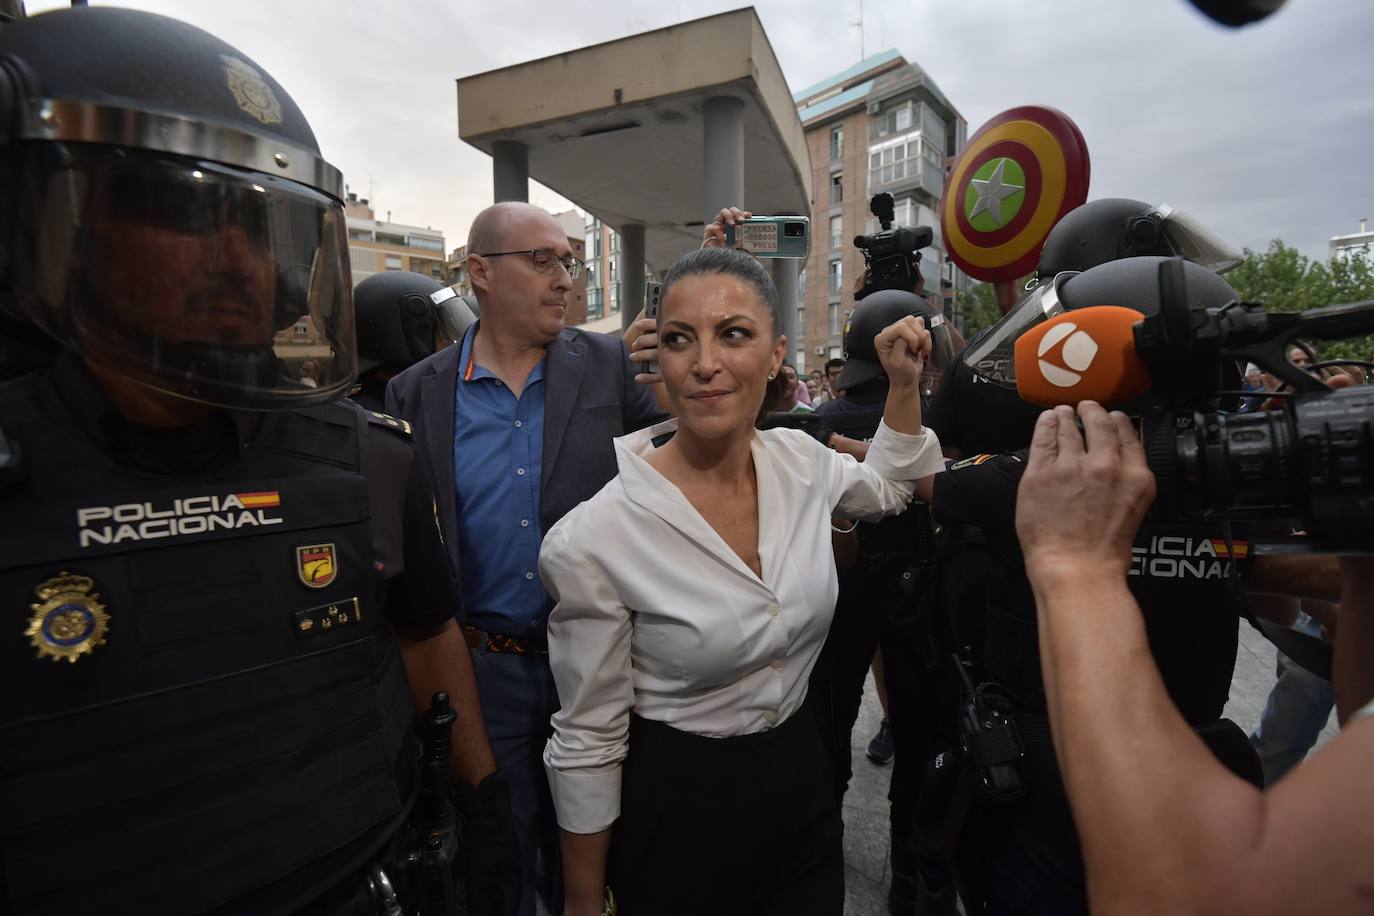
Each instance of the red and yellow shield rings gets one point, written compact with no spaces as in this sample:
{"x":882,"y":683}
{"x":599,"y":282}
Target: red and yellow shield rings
{"x":1017,"y":176}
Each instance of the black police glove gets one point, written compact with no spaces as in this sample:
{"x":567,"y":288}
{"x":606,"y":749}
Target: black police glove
{"x":805,"y":421}
{"x":491,"y":850}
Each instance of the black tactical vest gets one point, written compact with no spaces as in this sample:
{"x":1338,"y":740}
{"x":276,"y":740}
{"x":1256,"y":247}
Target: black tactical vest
{"x":1183,"y":578}
{"x":200,"y":695}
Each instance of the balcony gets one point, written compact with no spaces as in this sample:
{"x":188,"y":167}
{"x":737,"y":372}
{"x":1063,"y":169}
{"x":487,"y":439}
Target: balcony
{"x":905,"y":175}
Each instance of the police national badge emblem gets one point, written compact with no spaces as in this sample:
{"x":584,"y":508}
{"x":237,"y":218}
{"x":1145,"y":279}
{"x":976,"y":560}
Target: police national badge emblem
{"x":315,"y":565}
{"x":68,"y":620}
{"x":251,"y":91}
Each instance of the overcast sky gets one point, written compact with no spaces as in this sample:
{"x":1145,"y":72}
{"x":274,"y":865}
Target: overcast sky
{"x":1263,"y":132}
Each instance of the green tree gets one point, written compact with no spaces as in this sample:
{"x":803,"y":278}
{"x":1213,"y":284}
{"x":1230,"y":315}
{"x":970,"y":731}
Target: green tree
{"x":1278,"y":277}
{"x":1285,"y":280}
{"x":977,"y":308}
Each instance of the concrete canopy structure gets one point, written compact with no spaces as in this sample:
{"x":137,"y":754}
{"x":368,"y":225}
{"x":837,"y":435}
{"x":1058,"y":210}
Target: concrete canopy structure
{"x":656,"y":130}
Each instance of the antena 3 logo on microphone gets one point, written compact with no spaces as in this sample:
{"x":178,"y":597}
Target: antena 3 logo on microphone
{"x":1077,"y":353}
{"x":1086,"y":354}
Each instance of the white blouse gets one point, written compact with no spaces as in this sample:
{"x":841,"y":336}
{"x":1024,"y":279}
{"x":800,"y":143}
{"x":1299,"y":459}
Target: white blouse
{"x":656,"y":613}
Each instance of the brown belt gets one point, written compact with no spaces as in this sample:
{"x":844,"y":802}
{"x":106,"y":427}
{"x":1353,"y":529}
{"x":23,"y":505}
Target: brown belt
{"x":503,"y":644}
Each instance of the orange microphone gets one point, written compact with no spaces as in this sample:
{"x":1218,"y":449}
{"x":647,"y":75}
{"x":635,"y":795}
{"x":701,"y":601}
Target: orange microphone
{"x":1087,"y":354}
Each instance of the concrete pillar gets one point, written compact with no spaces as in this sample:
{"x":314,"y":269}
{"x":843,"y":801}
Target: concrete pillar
{"x":510,"y":171}
{"x":631,"y":273}
{"x":723,"y":148}
{"x":785,"y":279}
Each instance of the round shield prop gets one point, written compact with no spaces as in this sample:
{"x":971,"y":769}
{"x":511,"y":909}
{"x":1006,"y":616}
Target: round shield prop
{"x":1017,"y":177}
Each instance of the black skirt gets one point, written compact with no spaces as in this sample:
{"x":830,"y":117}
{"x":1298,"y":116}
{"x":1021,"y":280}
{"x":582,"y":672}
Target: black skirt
{"x":742,"y":826}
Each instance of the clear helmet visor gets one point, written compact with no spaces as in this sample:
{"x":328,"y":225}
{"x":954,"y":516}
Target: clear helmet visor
{"x":454,"y":314}
{"x":943,"y":348}
{"x":993,"y":355}
{"x":1195,"y":242}
{"x":197,"y":279}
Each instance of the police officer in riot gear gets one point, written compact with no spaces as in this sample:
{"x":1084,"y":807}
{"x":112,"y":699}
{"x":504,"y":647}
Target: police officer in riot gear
{"x":877,"y":592}
{"x":229,"y":584}
{"x":1019,"y":853}
{"x":978,"y":415}
{"x":975,"y":415}
{"x":402,"y":317}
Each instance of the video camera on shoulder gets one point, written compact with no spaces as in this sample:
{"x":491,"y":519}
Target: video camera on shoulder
{"x":892,"y":256}
{"x":1163,"y":339}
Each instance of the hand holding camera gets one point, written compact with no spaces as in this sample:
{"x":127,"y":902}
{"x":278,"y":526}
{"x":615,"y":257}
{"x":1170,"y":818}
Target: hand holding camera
{"x":714,"y":234}
{"x":761,"y":236}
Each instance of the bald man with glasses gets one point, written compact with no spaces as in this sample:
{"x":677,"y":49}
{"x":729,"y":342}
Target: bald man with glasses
{"x":517,"y":419}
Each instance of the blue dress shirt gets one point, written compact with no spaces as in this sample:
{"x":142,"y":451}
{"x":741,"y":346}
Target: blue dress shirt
{"x":498,"y":450}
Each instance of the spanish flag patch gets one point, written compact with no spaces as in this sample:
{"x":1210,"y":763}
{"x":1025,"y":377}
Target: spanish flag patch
{"x":1238,"y":550}
{"x":265,"y":499}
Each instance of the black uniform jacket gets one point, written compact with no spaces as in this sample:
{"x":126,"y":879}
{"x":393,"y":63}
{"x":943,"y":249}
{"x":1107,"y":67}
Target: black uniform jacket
{"x":231,"y":721}
{"x":1182,"y":576}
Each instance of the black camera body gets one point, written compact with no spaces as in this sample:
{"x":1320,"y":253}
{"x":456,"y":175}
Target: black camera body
{"x":1310,"y":462}
{"x":893,"y":255}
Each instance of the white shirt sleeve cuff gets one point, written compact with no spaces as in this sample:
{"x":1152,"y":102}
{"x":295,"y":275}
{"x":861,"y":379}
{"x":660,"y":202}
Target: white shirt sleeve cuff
{"x":585,"y":800}
{"x":904,"y":456}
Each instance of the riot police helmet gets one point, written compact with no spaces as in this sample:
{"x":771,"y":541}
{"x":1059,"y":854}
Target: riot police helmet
{"x":1093,"y":235}
{"x":870,"y":316}
{"x":1133,"y":283}
{"x":1117,"y":227}
{"x":403,"y":317}
{"x":165,"y":211}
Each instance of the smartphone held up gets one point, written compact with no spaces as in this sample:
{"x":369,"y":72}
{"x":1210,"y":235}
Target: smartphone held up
{"x":771,"y":236}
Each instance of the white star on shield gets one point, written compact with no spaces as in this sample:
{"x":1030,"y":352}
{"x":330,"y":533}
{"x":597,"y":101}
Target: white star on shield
{"x":992,"y":192}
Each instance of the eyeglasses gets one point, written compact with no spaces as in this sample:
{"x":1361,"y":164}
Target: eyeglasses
{"x":545,"y":260}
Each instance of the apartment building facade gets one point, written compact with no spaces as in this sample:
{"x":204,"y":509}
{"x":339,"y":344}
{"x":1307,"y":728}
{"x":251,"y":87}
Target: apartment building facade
{"x":881,"y":125}
{"x":378,"y":245}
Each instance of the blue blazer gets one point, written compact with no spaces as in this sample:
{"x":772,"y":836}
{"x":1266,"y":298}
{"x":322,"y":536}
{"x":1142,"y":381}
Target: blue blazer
{"x":590,"y":398}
